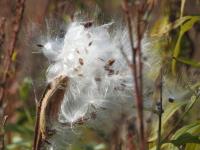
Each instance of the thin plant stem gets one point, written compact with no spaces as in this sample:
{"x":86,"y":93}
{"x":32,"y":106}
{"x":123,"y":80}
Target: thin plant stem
{"x":11,"y":48}
{"x":140,"y":83}
{"x":2,"y":142}
{"x":160,"y":111}
{"x":137,"y":72}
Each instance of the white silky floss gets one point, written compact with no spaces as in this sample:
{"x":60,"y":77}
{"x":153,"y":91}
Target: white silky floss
{"x":100,"y":79}
{"x":98,"y":72}
{"x":99,"y":75}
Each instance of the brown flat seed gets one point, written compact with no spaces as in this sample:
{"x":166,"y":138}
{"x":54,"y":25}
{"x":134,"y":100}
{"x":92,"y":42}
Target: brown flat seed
{"x":110,"y":62}
{"x":90,"y":44}
{"x":119,"y":88}
{"x":76,"y":69}
{"x":40,"y":45}
{"x":97,"y":79}
{"x":80,"y":75}
{"x":88,"y":24}
{"x":81,"y":61}
{"x":123,"y":85}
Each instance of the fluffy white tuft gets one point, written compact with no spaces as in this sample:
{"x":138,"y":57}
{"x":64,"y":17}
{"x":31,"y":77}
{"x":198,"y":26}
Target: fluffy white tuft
{"x":98,"y":72}
{"x":100,"y":79}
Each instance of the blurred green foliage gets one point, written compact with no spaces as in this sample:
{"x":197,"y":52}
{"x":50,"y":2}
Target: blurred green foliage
{"x":22,"y":130}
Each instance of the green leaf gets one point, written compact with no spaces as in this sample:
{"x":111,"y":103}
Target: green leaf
{"x":100,"y":147}
{"x":18,"y":129}
{"x":187,"y":61}
{"x":19,"y":143}
{"x":184,"y":139}
{"x":188,"y":135}
{"x":192,"y":147}
{"x":183,"y":131}
{"x":189,"y":24}
{"x":187,"y":108}
{"x":193,"y":135}
{"x":193,"y":128}
{"x":171,"y":109}
{"x":184,"y":28}
{"x":162,"y":26}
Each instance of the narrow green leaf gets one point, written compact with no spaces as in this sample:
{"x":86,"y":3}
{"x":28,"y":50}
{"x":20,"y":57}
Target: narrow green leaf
{"x":171,"y":108}
{"x":162,"y":27}
{"x":184,"y":28}
{"x":184,"y":139}
{"x":193,"y":135}
{"x":187,"y":61}
{"x":187,"y":128}
{"x":189,"y":24}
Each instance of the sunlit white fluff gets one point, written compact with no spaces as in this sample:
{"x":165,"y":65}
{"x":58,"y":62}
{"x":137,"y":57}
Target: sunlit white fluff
{"x":84,"y":57}
{"x":100,"y":78}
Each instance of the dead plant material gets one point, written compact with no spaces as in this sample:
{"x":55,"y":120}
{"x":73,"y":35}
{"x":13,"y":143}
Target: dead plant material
{"x":48,"y":109}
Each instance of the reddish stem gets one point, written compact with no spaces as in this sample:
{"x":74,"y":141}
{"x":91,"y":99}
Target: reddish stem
{"x":136,"y":68}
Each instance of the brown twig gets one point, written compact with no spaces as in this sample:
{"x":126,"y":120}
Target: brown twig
{"x":2,"y":31}
{"x":143,"y":9}
{"x":137,"y":72}
{"x":10,"y":50}
{"x":2,"y":143}
{"x":8,"y":56}
{"x":4,"y":118}
{"x":140,"y":80}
